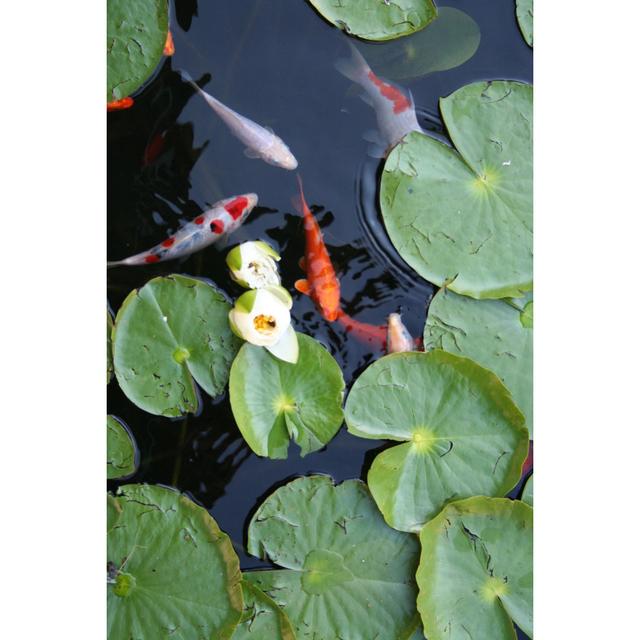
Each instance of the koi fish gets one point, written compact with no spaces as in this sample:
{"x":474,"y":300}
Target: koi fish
{"x":261,"y":142}
{"x":209,"y":227}
{"x":169,"y":47}
{"x":118,"y":105}
{"x":154,"y":149}
{"x":321,"y":283}
{"x":398,"y":338}
{"x":395,"y":111}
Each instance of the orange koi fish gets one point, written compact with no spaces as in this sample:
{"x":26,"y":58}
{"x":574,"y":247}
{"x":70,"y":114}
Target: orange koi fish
{"x":118,"y":105}
{"x":169,"y":48}
{"x":321,"y":283}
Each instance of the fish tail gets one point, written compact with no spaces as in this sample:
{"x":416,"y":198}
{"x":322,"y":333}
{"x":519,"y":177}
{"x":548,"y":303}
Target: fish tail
{"x":114,"y":263}
{"x":355,"y":68}
{"x":297,"y":200}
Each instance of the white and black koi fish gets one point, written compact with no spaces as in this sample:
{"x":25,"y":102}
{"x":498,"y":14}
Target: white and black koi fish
{"x":209,"y":227}
{"x":260,"y":142}
{"x":395,"y":111}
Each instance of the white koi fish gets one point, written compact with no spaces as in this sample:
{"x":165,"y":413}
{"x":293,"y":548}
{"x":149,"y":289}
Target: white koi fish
{"x":395,"y":111}
{"x":261,"y":142}
{"x":209,"y":227}
{"x":398,"y":338}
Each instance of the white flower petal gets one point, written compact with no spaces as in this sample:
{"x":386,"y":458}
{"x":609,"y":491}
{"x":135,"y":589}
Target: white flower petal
{"x":287,"y":347}
{"x":267,"y":321}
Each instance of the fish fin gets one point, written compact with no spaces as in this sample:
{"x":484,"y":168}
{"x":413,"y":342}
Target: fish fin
{"x":302,"y":286}
{"x":270,"y":130}
{"x":187,"y":78}
{"x":374,"y":136}
{"x":298,"y":200}
{"x":251,"y":153}
{"x":355,"y":68}
{"x":376,"y":151}
{"x":302,"y":263}
{"x":366,"y":98}
{"x":114,"y":263}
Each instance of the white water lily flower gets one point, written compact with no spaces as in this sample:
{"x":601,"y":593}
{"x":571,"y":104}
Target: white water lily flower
{"x":262,"y":317}
{"x":253,"y":265}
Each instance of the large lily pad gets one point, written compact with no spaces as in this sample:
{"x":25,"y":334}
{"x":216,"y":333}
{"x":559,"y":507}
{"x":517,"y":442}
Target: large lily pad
{"x":262,"y":619}
{"x":463,"y":217}
{"x":136,"y":33}
{"x":476,"y":571}
{"x":347,"y":574}
{"x":524,"y":13}
{"x":109,"y":354}
{"x":122,"y":453}
{"x":449,"y":41}
{"x":274,"y":401}
{"x":375,"y":19}
{"x":168,"y":335}
{"x":171,"y":572}
{"x":462,"y":434}
{"x":498,"y":334}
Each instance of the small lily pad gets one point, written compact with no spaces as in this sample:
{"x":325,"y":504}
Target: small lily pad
{"x":347,"y":574}
{"x":136,"y":33}
{"x":170,"y":569}
{"x":527,"y":492}
{"x":122,"y":453}
{"x":476,"y":570}
{"x":447,"y":42}
{"x":274,"y":401}
{"x":109,"y":353}
{"x":462,"y":433}
{"x":262,"y":619}
{"x":375,"y":19}
{"x":463,"y":217}
{"x":498,"y":334}
{"x":168,"y":335}
{"x":524,"y":13}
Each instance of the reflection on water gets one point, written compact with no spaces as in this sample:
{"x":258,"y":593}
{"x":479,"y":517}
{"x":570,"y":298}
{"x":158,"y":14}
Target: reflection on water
{"x":169,"y":157}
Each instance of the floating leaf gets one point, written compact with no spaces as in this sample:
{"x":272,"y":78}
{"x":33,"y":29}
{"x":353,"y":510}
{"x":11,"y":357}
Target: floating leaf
{"x":122,"y":456}
{"x":524,"y":13}
{"x":109,"y":353}
{"x":476,"y":570}
{"x":168,"y":335}
{"x":136,"y":33}
{"x":498,"y":334}
{"x":262,"y":619}
{"x":347,"y":574}
{"x":462,"y":434}
{"x":274,"y":401}
{"x":463,"y":217}
{"x":375,"y":19}
{"x":449,"y":41}
{"x":527,"y":492}
{"x":170,"y":569}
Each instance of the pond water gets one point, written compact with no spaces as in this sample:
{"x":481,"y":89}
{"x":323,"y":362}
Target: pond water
{"x":169,"y":157}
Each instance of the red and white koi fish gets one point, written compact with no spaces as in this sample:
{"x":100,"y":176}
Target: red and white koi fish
{"x":398,"y":338}
{"x":209,"y":227}
{"x":261,"y":142}
{"x":119,"y":105}
{"x":321,"y":283}
{"x":395,"y":111}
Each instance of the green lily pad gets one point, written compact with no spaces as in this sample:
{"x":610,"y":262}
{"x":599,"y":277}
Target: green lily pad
{"x":171,"y":571}
{"x":136,"y":33}
{"x":168,"y":335}
{"x":109,"y":353}
{"x":527,"y":492}
{"x":262,"y":619}
{"x":462,"y":434}
{"x":347,"y":574}
{"x":274,"y":401}
{"x":122,"y":456}
{"x":524,"y":13}
{"x":463,"y":217}
{"x":375,"y":19}
{"x":449,"y":41}
{"x":476,"y":570}
{"x":498,"y":334}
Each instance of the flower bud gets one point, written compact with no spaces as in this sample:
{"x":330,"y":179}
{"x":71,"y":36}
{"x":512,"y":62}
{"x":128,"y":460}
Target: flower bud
{"x":253,"y":265}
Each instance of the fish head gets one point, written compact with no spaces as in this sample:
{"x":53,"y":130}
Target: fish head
{"x":238,"y":208}
{"x":280,"y":155}
{"x":330,"y":303}
{"x":398,"y":337}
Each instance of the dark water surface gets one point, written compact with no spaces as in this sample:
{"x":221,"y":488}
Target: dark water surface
{"x":271,"y":60}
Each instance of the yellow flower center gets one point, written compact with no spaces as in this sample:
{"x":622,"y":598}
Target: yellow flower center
{"x":264,"y":324}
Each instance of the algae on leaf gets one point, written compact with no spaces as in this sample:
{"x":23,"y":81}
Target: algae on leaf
{"x":274,"y":401}
{"x":498,"y":334}
{"x":168,"y":335}
{"x":122,"y":453}
{"x":476,"y":570}
{"x":170,"y":569}
{"x":262,"y":619}
{"x":524,"y":13}
{"x":462,"y":217}
{"x":461,"y":433}
{"x":136,"y":33}
{"x":376,"y":19}
{"x":347,"y":574}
